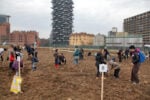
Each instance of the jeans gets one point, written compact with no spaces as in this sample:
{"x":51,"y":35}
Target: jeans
{"x":10,"y":65}
{"x":98,"y":73}
{"x":76,"y":59}
{"x":116,"y":72}
{"x":34,"y":66}
{"x":1,"y":57}
{"x":134,"y":73}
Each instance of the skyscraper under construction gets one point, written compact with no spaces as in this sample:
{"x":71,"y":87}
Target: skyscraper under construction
{"x":62,"y":24}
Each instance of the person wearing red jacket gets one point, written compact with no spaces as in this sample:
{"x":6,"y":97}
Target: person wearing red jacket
{"x":11,"y":59}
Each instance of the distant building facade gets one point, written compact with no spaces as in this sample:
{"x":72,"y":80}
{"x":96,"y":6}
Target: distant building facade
{"x":139,"y":24}
{"x":24,"y":37}
{"x":122,"y":34}
{"x":4,"y":28}
{"x":78,"y":39}
{"x":113,"y":31}
{"x":124,"y":41}
{"x":99,"y":40}
{"x":44,"y":42}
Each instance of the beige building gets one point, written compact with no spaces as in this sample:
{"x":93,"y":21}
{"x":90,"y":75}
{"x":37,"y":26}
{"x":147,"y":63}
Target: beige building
{"x":121,"y":34}
{"x":78,"y":39}
{"x":99,"y":40}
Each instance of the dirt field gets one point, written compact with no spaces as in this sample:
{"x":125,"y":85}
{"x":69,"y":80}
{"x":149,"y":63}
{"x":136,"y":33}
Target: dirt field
{"x":71,"y":82}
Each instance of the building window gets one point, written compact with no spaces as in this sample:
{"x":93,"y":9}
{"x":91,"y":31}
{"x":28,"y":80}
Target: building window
{"x":20,"y":38}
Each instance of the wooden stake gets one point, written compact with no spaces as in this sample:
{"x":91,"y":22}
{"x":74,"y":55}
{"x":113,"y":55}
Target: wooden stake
{"x":102,"y":86}
{"x":19,"y":68}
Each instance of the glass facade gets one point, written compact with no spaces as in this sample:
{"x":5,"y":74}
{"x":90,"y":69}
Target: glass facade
{"x":4,"y":19}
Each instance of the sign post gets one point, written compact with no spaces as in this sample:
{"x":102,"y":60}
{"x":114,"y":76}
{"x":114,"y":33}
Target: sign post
{"x":102,"y":68}
{"x":19,"y":71}
{"x":17,"y":80}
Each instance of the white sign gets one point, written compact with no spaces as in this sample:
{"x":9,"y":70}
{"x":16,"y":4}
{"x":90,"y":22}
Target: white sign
{"x":103,"y":68}
{"x":18,"y":58}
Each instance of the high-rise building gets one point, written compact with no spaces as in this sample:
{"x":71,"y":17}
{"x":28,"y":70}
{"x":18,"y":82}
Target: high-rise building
{"x":62,"y":24}
{"x":4,"y":28}
{"x":139,"y":24}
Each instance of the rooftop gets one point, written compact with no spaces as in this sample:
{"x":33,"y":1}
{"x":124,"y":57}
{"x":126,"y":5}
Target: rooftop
{"x":1,"y":15}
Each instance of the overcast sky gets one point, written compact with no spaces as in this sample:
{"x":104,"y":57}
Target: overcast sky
{"x":91,"y":16}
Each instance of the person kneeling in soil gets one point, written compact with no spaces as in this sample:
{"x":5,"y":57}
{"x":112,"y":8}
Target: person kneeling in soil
{"x":62,"y":59}
{"x":114,"y":65}
{"x":89,"y":54}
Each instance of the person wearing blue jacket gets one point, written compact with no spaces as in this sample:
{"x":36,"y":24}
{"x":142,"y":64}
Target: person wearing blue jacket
{"x":76,"y":55}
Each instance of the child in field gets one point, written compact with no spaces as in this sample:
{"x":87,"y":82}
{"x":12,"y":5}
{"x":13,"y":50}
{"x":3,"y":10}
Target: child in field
{"x":99,"y":60}
{"x":106,"y":54}
{"x":15,"y":65}
{"x":34,"y":63}
{"x":76,"y":56}
{"x":120,"y":54}
{"x":11,"y":59}
{"x":1,"y":53}
{"x":62,"y":59}
{"x":114,"y":65}
{"x":89,"y":54}
{"x":57,"y":61}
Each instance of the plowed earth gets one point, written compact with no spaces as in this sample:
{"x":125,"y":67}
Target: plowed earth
{"x":71,"y":82}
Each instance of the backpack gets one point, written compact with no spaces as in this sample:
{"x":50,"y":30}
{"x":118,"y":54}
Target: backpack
{"x":142,"y":57}
{"x":15,"y":64}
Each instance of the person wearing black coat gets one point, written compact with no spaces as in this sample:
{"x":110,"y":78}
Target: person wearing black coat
{"x":136,"y":65}
{"x":99,"y":60}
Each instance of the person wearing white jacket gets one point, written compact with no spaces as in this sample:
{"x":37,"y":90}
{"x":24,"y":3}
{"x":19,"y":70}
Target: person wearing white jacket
{"x":1,"y":53}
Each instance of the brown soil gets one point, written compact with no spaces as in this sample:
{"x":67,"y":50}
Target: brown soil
{"x":71,"y":82}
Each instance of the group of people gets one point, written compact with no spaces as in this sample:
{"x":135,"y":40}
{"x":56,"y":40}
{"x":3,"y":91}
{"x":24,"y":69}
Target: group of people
{"x":32,"y":55}
{"x":104,"y":57}
{"x":137,"y":56}
{"x":59,"y":59}
{"x":101,"y":57}
{"x":78,"y":54}
{"x":123,"y":54}
{"x":14,"y":52}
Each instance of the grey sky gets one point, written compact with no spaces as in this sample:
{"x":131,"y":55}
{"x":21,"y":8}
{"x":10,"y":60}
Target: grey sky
{"x":91,"y":16}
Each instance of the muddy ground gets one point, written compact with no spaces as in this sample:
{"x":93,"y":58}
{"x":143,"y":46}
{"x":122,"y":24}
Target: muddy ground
{"x":71,"y":82}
